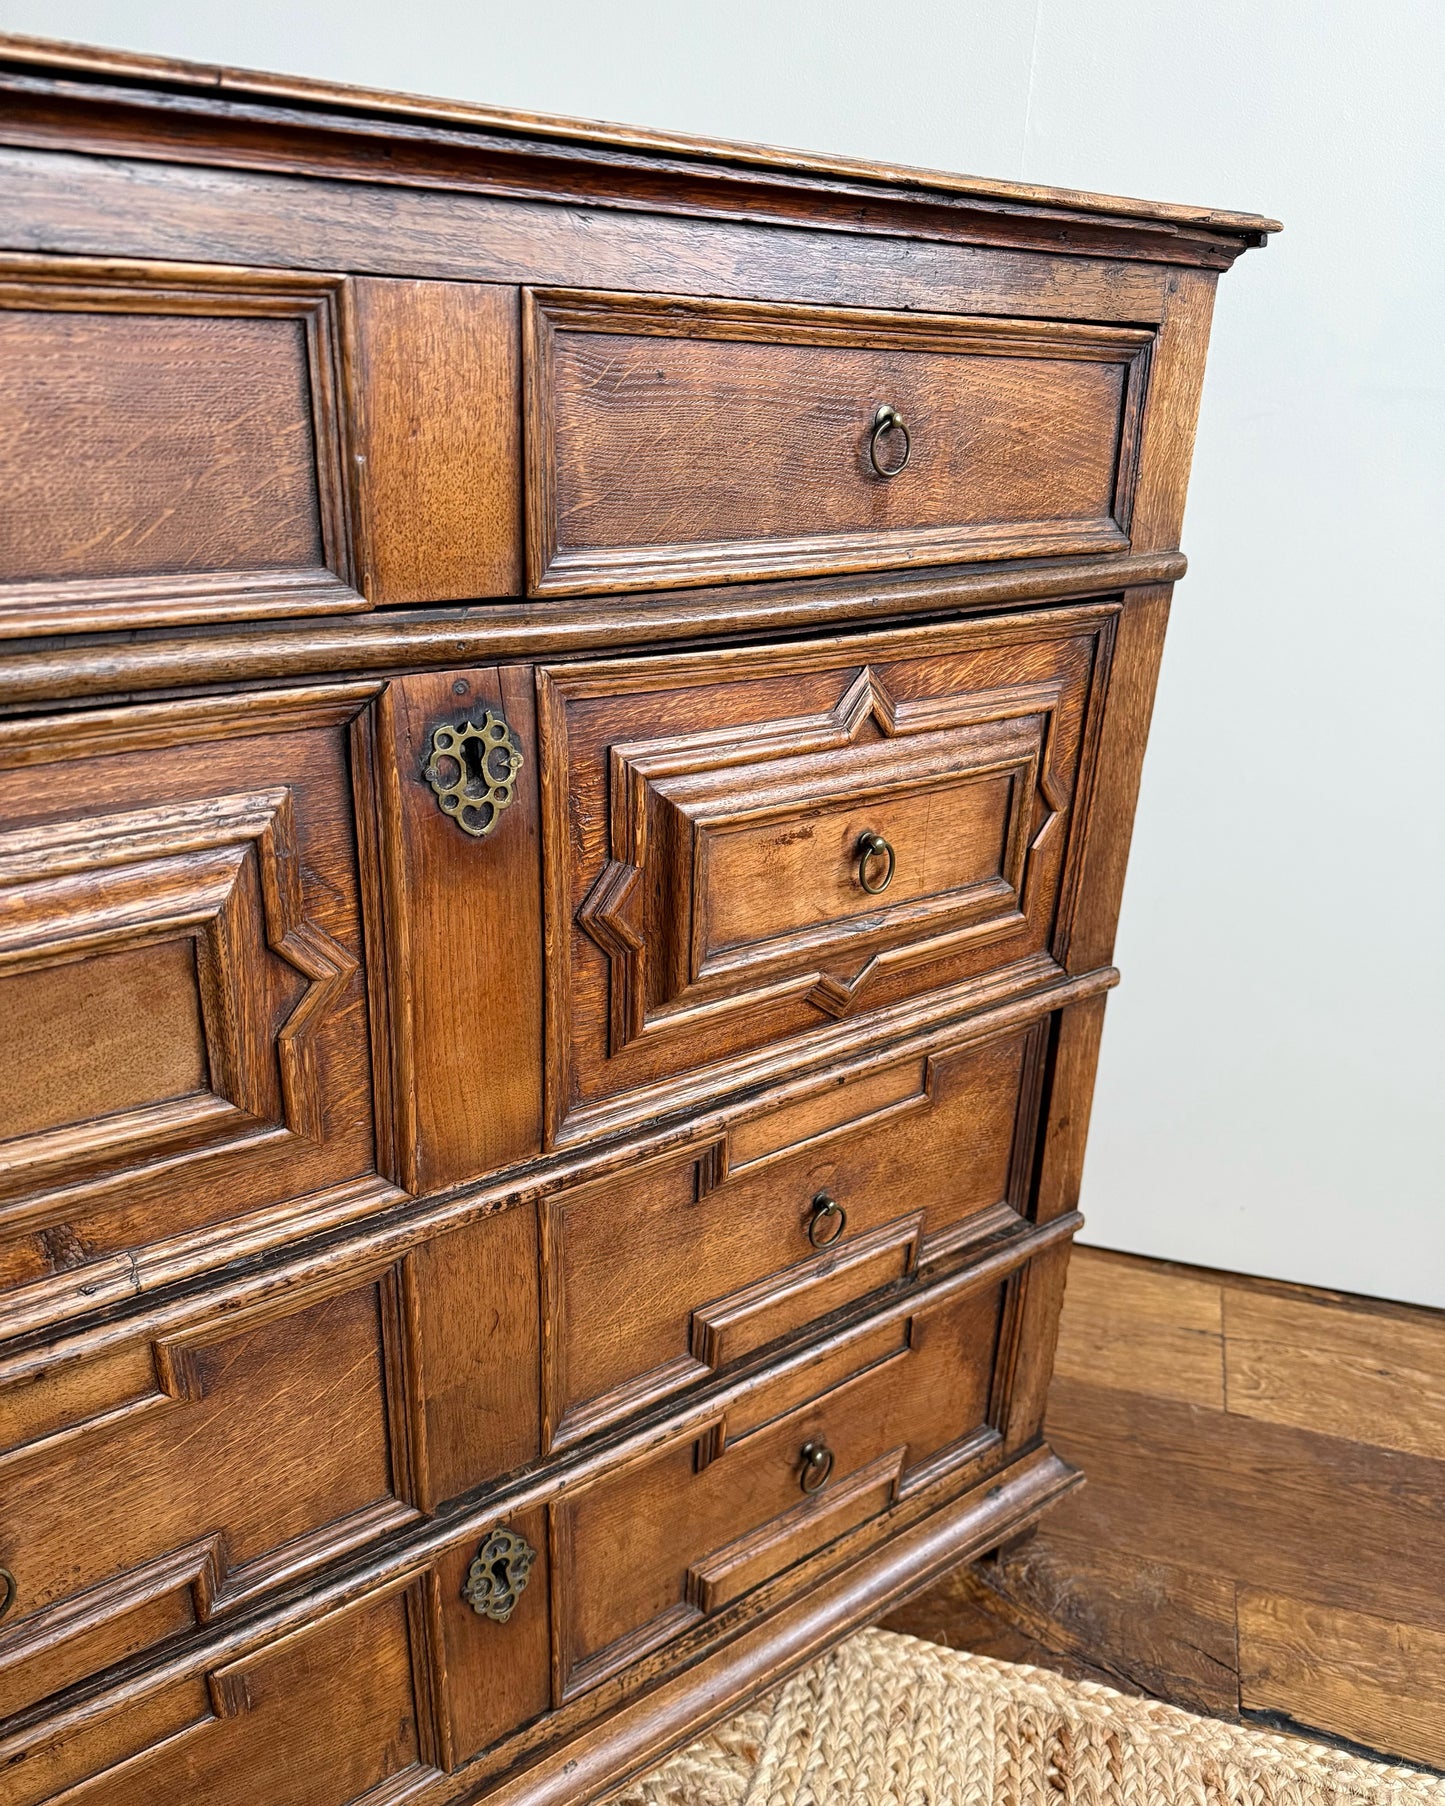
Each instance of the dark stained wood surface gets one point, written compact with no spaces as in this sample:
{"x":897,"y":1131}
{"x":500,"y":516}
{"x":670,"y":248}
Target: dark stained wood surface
{"x":456,"y":957}
{"x":175,"y":449}
{"x":412,"y":639}
{"x":1241,"y":1549}
{"x":920,"y":1159}
{"x":151,"y":1489}
{"x":356,"y":1202}
{"x":248,"y":1728}
{"x":203,"y":851}
{"x":651,"y":1546}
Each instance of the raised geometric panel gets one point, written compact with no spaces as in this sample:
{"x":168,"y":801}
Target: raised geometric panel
{"x":715,"y":879}
{"x":153,"y":1483}
{"x":203,"y":900}
{"x":180,"y":952}
{"x":757,"y":856}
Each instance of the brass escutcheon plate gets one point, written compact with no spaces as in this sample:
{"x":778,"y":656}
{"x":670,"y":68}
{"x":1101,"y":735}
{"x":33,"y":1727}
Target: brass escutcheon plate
{"x":473,"y":771}
{"x":498,"y":1574}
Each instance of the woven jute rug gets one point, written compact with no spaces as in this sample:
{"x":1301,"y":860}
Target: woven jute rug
{"x":888,"y":1720}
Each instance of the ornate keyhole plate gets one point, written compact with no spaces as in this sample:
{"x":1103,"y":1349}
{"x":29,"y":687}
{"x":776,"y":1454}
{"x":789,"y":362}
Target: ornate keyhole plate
{"x":473,"y":770}
{"x":498,"y":1574}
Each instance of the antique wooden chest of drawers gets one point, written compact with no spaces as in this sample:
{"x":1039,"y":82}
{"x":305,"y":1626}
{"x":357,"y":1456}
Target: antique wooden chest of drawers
{"x":572,"y":707}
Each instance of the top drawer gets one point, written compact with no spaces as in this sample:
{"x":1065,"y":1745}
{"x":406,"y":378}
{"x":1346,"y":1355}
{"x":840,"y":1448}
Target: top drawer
{"x":188,"y":443}
{"x":674,"y":442}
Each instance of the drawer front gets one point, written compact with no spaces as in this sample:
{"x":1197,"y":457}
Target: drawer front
{"x":181,"y":447}
{"x":687,"y":1528}
{"x":674,"y":442}
{"x":191,"y":443}
{"x":159,"y":1474}
{"x":320,"y":1717}
{"x":689,"y":1263}
{"x":150,"y":1485}
{"x":708,"y":820}
{"x":181,"y":979}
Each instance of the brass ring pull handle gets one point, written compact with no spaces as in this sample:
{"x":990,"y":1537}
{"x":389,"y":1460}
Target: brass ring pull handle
{"x":828,"y":1221}
{"x":817,"y":1465}
{"x":870,"y":847}
{"x":888,"y":420}
{"x":7,"y":1591}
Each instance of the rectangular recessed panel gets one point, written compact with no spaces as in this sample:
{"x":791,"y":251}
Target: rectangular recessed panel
{"x":680,"y":441}
{"x":259,"y":1450}
{"x":323,"y":1715}
{"x":97,"y":1036}
{"x":782,"y":876}
{"x":181,"y":986}
{"x":146,"y":443}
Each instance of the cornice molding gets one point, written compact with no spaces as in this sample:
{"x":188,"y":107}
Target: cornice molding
{"x":114,"y":103}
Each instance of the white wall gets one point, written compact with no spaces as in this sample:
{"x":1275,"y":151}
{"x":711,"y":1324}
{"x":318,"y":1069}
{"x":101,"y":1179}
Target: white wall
{"x":1270,"y":1093}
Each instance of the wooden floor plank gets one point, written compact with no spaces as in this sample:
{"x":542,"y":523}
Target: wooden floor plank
{"x":1128,"y":1325}
{"x":1370,"y":1376}
{"x":1262,"y":1527}
{"x":964,"y":1611}
{"x":1375,"y":1681}
{"x":1312,"y":1517}
{"x":1142,"y":1626}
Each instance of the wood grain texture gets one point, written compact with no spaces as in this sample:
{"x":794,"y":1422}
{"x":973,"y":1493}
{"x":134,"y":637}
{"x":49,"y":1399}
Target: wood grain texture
{"x":1373,"y":1520}
{"x":207,"y":1485}
{"x":495,"y":1677}
{"x":473,"y":1305}
{"x":1361,"y":1374}
{"x":1068,"y":1603}
{"x":461,"y":945}
{"x":650,"y":1547}
{"x":215,"y":845}
{"x":176,"y":446}
{"x":571,"y":1753}
{"x":635,"y":796}
{"x":1313,"y":1551}
{"x":1372,"y":1680}
{"x":1127,"y":1324}
{"x":246,"y":1725}
{"x":435,"y":370}
{"x":416,"y":639}
{"x":390,"y":1200}
{"x":610,"y":142}
{"x":725,"y":1239}
{"x":750,"y":428}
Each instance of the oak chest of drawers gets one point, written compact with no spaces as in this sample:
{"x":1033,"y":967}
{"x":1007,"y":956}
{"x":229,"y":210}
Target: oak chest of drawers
{"x":572,"y":710}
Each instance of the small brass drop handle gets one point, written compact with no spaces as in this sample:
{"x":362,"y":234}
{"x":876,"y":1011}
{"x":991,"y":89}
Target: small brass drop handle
{"x":7,"y":1591}
{"x":888,"y":420}
{"x":817,"y":1465}
{"x":828,"y":1221}
{"x":870,"y":847}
